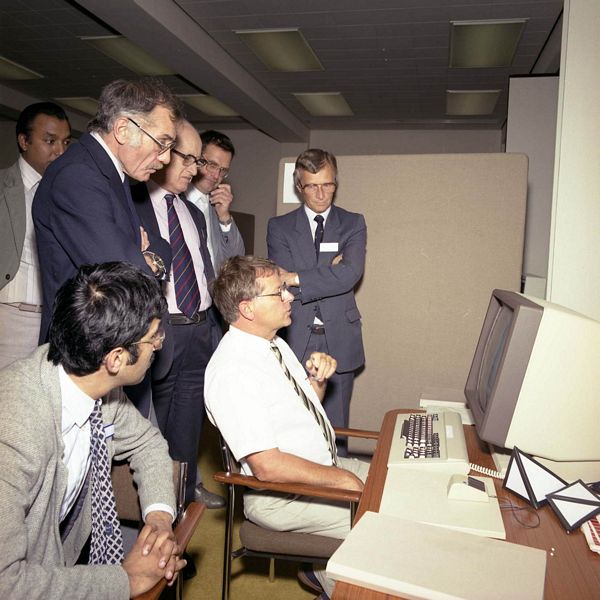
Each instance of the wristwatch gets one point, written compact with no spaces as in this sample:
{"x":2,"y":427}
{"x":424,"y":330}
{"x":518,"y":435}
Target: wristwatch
{"x":227,"y":222}
{"x":157,"y":262}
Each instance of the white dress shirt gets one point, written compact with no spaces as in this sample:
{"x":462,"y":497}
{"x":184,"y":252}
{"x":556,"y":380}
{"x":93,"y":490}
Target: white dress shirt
{"x":192,"y":240}
{"x":27,"y":284}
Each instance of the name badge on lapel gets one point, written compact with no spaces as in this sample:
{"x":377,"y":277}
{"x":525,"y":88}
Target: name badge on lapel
{"x":328,"y":247}
{"x":109,"y":430}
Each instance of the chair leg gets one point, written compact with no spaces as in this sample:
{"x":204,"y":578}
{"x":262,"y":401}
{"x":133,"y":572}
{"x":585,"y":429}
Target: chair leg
{"x":228,"y":540}
{"x":271,"y":570}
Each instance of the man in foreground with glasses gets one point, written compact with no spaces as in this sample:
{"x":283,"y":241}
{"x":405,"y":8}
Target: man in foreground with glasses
{"x":267,"y":407}
{"x":178,"y":397}
{"x":322,"y":247}
{"x":64,"y":419}
{"x":212,"y":195}
{"x":83,"y":212}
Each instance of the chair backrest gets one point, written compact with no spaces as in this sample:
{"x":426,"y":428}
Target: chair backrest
{"x":230,"y":465}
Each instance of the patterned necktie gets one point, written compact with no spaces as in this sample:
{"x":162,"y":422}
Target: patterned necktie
{"x":106,"y":547}
{"x":187,"y":292}
{"x":318,"y":234}
{"x":326,"y":430}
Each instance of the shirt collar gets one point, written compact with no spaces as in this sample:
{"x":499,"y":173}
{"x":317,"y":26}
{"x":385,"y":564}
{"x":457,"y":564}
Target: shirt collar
{"x":193,"y":193}
{"x":158,"y":193}
{"x":260,"y":343}
{"x":29,"y":175}
{"x":311,"y":214}
{"x":112,"y":157}
{"x":75,"y":403}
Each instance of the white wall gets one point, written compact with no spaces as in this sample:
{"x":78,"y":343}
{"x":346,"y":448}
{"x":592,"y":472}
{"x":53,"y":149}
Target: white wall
{"x":531,"y":129}
{"x":574,"y":265}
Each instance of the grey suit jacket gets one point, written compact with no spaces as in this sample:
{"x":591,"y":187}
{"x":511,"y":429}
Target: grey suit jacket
{"x":227,"y":243}
{"x":12,"y":222}
{"x":323,"y":286}
{"x":33,"y":480}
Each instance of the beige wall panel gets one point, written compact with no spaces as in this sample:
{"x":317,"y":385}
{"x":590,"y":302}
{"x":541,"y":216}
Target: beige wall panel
{"x":443,"y":232}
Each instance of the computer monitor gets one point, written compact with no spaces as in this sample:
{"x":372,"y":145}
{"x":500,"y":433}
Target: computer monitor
{"x":534,"y":383}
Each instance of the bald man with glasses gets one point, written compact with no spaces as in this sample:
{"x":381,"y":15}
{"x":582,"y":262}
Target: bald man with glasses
{"x":165,"y":213}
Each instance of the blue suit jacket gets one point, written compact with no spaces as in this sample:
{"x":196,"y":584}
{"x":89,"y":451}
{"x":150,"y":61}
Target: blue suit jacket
{"x":323,"y":285}
{"x":82,"y":216}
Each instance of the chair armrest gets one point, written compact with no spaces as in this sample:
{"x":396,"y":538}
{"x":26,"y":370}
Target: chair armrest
{"x":183,"y":533}
{"x":359,"y":433}
{"x":303,"y":489}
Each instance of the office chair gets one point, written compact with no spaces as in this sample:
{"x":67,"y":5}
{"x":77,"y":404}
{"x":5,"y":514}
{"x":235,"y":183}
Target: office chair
{"x":186,"y":520}
{"x":262,"y":542}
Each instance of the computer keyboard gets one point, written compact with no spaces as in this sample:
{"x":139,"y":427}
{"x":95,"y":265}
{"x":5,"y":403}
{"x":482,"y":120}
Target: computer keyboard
{"x":433,"y":440}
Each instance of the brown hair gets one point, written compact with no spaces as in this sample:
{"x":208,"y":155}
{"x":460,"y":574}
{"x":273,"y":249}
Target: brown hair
{"x":313,"y":160}
{"x":237,"y":281}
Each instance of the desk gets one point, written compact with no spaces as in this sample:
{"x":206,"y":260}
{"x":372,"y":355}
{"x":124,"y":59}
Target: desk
{"x":573,"y":572}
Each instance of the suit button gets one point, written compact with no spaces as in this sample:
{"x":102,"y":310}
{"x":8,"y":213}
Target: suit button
{"x":7,"y":276}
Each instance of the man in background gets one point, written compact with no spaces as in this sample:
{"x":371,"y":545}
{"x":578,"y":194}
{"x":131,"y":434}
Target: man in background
{"x":43,"y":134}
{"x":322,"y":247}
{"x":64,"y":419}
{"x":179,"y":396}
{"x":212,"y":195}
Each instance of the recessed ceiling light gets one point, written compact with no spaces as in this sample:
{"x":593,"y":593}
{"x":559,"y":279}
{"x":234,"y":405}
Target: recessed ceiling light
{"x":325,"y":104}
{"x":209,"y":105}
{"x":13,"y":71}
{"x":128,"y":54}
{"x":85,"y":104}
{"x":471,"y":102}
{"x":281,"y":49}
{"x":480,"y":44}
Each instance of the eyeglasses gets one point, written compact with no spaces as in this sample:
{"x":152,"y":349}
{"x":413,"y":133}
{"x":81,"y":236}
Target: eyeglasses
{"x":156,"y":340}
{"x":189,"y":159}
{"x":311,"y":188}
{"x":209,"y":165}
{"x":163,"y":147}
{"x":281,"y":292}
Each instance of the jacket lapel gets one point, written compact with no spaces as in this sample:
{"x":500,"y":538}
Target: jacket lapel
{"x":14,"y":193}
{"x":304,"y":239}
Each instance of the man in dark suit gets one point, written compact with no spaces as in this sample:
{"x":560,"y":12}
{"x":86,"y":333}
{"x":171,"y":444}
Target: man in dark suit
{"x":323,"y":249}
{"x":83,"y":212}
{"x":179,"y":397}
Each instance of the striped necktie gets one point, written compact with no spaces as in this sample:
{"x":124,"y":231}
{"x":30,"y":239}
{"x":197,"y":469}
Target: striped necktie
{"x":187,"y":293}
{"x":325,"y":429}
{"x":106,"y":546}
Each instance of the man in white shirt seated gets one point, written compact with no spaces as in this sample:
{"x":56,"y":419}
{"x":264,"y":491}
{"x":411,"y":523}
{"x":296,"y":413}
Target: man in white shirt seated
{"x":64,"y":419}
{"x":268,"y":407}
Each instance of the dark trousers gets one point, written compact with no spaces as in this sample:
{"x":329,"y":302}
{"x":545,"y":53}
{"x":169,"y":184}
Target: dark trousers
{"x":338,"y":394}
{"x":179,"y":397}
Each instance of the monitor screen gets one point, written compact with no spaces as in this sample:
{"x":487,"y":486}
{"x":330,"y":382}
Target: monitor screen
{"x":534,"y":380}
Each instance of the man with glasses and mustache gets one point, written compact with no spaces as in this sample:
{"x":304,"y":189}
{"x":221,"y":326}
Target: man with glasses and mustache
{"x":83,"y":212}
{"x":211,"y":193}
{"x":165,"y":213}
{"x":322,"y":247}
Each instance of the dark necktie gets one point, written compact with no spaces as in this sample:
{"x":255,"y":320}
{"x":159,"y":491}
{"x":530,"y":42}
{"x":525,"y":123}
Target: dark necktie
{"x":325,"y":429}
{"x":187,"y":292}
{"x":318,"y":234}
{"x":106,"y":546}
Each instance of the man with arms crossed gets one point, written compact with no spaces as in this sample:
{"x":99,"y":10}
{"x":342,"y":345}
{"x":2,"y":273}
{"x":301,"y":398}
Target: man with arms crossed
{"x":212,"y":195}
{"x":276,"y":432}
{"x":64,"y":419}
{"x":322,"y":247}
{"x":43,"y":134}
